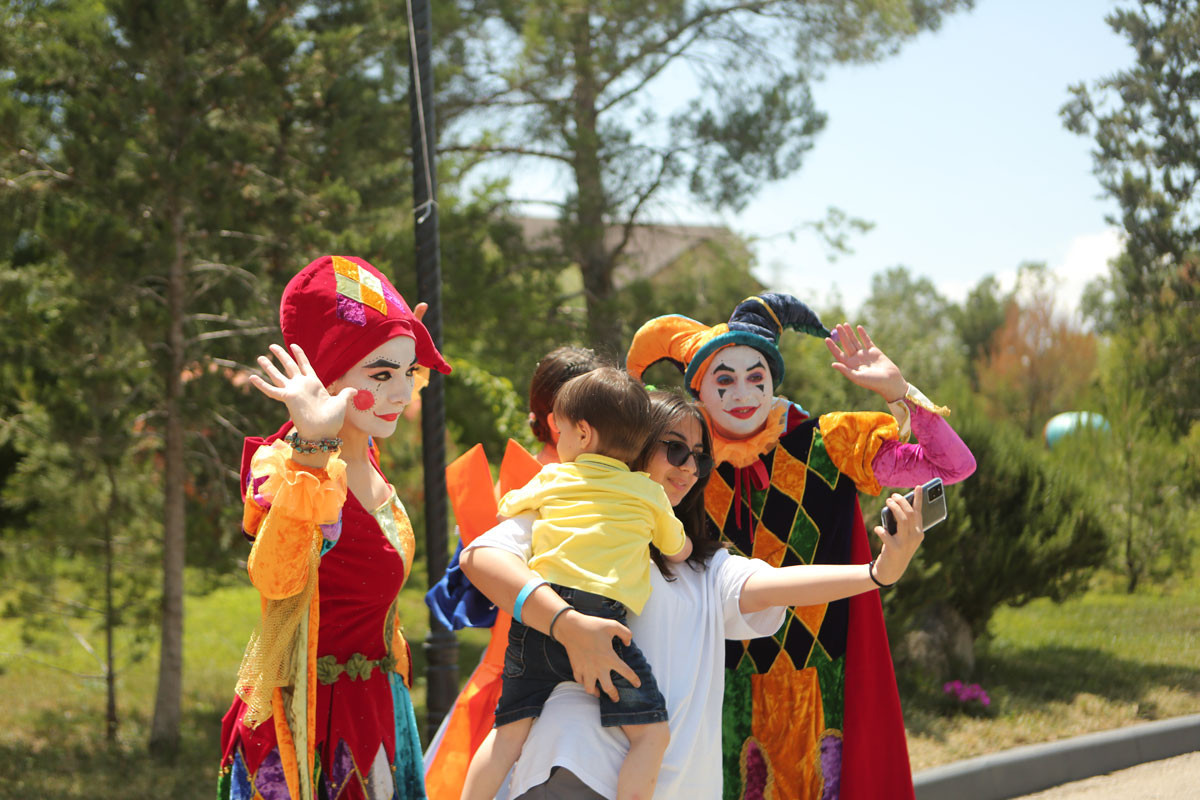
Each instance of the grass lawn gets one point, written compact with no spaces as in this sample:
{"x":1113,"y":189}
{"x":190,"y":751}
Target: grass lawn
{"x":1053,"y":671}
{"x":1097,"y":662}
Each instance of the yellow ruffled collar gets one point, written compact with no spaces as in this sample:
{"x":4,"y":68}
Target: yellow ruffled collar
{"x":744,"y":452}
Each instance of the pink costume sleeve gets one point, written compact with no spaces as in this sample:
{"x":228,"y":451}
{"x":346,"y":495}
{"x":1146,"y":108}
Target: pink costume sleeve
{"x":938,"y":453}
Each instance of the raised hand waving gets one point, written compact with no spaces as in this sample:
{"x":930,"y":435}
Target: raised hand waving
{"x":315,"y":413}
{"x":864,"y":364}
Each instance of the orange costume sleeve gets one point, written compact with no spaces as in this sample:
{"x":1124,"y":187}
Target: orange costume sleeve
{"x":852,"y":438}
{"x":285,"y":505}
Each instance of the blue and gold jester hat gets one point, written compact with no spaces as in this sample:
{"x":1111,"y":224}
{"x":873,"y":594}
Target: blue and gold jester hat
{"x":690,"y":345}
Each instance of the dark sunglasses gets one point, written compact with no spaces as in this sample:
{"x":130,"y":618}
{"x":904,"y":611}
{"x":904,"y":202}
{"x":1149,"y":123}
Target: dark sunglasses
{"x":678,"y":453}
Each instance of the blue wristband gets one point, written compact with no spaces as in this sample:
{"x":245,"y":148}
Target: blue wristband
{"x":522,"y":595}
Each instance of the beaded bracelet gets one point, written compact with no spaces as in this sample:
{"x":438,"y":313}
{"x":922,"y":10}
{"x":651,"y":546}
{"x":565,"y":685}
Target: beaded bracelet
{"x":309,"y":446}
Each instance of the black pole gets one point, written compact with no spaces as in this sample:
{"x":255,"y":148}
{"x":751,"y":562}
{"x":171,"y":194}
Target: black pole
{"x":441,"y":647}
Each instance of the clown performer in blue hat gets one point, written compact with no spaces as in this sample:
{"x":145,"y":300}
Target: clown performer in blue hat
{"x":812,"y":712}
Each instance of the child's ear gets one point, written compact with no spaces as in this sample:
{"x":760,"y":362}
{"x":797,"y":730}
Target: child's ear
{"x":554,"y":430}
{"x":587,"y":434}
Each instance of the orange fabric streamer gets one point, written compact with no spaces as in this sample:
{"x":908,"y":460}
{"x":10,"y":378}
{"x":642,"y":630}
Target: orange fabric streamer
{"x":473,"y":498}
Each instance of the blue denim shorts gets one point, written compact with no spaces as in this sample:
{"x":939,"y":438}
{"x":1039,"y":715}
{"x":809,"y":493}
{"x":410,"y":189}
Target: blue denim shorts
{"x":534,"y":664}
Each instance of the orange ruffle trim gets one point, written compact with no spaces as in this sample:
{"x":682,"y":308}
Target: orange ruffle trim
{"x":300,"y":499}
{"x":313,"y":495}
{"x":744,"y":452}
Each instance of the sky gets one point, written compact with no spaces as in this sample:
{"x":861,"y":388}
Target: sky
{"x":953,"y":148}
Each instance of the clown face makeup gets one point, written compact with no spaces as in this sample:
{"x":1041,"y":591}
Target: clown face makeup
{"x":384,"y":380}
{"x":737,"y":391}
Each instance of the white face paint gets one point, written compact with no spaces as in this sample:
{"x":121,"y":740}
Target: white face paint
{"x":737,"y":391}
{"x":385,"y":383}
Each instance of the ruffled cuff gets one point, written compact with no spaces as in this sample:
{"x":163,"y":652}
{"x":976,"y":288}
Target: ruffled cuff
{"x":296,"y":491}
{"x":913,"y":398}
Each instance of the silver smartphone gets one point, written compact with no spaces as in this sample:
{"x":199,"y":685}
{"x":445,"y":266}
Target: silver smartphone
{"x":933,"y":506}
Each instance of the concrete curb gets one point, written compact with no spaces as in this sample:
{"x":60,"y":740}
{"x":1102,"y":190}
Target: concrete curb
{"x":1029,"y":769}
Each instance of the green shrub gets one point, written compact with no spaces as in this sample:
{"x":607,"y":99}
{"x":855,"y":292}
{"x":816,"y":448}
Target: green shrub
{"x":1018,"y":529}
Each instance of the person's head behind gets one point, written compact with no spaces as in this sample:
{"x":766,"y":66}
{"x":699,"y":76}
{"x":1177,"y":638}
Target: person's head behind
{"x":674,"y":419}
{"x":605,"y":411}
{"x":556,"y":368}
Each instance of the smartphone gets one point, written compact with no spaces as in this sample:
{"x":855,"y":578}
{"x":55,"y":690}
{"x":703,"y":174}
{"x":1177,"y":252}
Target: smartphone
{"x":933,"y":506}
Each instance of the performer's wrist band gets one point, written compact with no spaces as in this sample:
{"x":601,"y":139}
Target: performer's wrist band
{"x":522,"y":595}
{"x":310,"y":446}
{"x":871,"y":572}
{"x":554,"y":619}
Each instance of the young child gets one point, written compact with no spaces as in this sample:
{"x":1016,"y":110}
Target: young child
{"x":596,"y":519}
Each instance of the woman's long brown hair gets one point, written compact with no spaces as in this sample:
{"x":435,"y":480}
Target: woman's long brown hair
{"x":668,"y":410}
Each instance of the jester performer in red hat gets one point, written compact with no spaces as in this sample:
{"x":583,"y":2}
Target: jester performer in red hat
{"x":322,"y":706}
{"x":812,"y":712}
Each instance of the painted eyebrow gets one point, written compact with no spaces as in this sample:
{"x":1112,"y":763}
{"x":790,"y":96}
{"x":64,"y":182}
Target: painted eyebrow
{"x":758,"y":365}
{"x":382,"y":362}
{"x":722,"y":368}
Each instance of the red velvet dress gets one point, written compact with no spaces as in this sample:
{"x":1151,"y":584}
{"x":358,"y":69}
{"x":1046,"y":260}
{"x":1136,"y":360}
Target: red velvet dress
{"x":361,"y":730}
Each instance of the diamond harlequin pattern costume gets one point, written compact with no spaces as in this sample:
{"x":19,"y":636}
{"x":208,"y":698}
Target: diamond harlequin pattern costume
{"x":811,"y":713}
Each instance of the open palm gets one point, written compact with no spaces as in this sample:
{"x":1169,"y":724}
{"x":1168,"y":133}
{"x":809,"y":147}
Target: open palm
{"x":315,"y":413}
{"x":864,"y":364}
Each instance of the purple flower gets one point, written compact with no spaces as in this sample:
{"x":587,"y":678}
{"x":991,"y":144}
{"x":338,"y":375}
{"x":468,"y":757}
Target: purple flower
{"x":969,"y":695}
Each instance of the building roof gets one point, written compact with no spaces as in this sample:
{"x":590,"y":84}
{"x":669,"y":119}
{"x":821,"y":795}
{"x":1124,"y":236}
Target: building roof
{"x":652,"y":248}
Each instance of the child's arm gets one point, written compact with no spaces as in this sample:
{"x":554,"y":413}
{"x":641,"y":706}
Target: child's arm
{"x":813,"y":584}
{"x":668,"y":535}
{"x":683,"y":554}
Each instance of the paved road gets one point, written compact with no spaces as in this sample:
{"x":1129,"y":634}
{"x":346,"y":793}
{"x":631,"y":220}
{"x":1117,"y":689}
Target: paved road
{"x":1175,"y":778}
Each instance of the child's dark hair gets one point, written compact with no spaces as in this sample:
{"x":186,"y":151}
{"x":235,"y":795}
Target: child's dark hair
{"x":614,"y":403}
{"x":556,"y":368}
{"x":667,"y":411}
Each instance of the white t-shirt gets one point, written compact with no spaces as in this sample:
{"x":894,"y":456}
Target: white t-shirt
{"x":682,"y":632}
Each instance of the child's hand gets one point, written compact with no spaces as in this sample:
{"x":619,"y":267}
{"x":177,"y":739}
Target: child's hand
{"x":900,"y":547}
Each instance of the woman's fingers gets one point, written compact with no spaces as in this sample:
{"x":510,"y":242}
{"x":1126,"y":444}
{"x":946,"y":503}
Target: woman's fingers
{"x":269,"y":367}
{"x":270,"y":391}
{"x":302,"y":359}
{"x":866,"y":340}
{"x":285,"y":358}
{"x":847,"y":339}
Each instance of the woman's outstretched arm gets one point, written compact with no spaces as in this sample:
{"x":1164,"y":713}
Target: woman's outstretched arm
{"x":812,"y":584}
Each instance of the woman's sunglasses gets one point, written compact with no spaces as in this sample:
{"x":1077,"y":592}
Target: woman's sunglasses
{"x":678,"y":453}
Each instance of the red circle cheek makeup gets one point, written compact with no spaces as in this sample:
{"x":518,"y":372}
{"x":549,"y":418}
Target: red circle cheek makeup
{"x":364,"y":400}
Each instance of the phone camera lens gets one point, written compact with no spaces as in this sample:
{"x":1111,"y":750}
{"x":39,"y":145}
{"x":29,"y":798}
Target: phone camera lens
{"x":935,"y":493}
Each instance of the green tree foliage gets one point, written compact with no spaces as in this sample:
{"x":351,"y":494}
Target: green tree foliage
{"x":579,"y":87}
{"x":977,"y":320}
{"x":83,"y":492}
{"x":915,"y":325}
{"x":1138,"y":474}
{"x":1017,"y":529}
{"x":1038,"y":362}
{"x":1145,"y":122}
{"x":180,"y":160}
